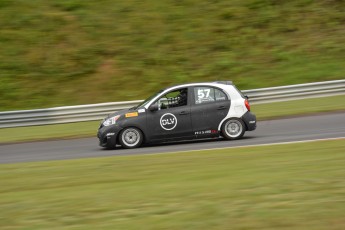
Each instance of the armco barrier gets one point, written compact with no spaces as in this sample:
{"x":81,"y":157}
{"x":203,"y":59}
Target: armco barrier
{"x":66,"y":114}
{"x":293,"y":92}
{"x":92,"y":112}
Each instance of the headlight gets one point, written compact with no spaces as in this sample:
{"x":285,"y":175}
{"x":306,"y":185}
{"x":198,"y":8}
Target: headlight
{"x":111,"y":121}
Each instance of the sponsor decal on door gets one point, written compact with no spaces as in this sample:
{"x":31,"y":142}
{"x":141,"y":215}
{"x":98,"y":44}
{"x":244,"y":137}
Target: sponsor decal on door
{"x":168,"y":121}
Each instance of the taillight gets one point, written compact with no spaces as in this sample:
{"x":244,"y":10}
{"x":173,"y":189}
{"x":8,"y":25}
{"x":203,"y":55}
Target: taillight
{"x":246,"y":103}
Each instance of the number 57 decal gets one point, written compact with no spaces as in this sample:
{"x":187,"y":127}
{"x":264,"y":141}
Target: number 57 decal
{"x":203,"y":93}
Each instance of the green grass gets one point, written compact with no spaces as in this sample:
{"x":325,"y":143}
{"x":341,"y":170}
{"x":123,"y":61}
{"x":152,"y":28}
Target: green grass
{"x":299,"y":107}
{"x":296,"y":186}
{"x":46,"y":132}
{"x":84,"y":129}
{"x":67,"y":52}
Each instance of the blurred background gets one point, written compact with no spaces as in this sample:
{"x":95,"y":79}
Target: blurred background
{"x":70,"y":52}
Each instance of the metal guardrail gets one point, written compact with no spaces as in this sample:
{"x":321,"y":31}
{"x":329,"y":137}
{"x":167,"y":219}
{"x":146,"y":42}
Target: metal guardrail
{"x":92,"y":112}
{"x":65,"y":114}
{"x":293,"y":92}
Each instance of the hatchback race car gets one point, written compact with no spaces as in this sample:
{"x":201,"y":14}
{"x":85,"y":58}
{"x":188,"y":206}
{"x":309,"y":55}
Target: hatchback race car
{"x":183,"y":112}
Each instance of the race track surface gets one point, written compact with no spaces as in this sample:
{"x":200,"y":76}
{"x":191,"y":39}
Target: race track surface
{"x":274,"y":131}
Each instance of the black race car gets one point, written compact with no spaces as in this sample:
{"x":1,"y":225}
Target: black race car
{"x":183,"y":112}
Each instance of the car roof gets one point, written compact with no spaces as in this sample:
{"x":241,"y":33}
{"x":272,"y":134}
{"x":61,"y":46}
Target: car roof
{"x":214,"y":83}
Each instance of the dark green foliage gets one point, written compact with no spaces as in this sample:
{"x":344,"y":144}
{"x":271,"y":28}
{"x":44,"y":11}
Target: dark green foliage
{"x":70,"y":52}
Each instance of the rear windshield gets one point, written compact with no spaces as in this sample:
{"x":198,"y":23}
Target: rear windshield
{"x":239,"y":91}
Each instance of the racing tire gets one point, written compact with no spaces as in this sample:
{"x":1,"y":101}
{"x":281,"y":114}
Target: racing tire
{"x":131,"y":138}
{"x":233,"y":129}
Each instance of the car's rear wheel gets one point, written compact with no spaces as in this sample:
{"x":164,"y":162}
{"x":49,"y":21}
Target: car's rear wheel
{"x":233,"y":129}
{"x":131,"y":138}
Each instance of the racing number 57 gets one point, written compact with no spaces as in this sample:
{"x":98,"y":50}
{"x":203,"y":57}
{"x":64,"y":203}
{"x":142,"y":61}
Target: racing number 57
{"x":202,"y":93}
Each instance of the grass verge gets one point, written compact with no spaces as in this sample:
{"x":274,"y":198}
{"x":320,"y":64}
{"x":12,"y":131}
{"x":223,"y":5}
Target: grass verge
{"x":46,"y":132}
{"x":85,"y":129}
{"x":295,"y":186}
{"x":299,"y":107}
{"x":67,"y":52}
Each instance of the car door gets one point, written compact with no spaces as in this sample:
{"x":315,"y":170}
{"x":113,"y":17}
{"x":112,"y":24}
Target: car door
{"x":210,"y":106}
{"x":172,"y":120}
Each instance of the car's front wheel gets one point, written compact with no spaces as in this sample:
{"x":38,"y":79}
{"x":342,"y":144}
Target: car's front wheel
{"x":131,"y":138}
{"x":233,"y":129}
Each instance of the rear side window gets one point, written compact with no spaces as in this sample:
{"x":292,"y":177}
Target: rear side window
{"x":204,"y":94}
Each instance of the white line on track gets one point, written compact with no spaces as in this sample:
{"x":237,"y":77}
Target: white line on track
{"x":257,"y":145}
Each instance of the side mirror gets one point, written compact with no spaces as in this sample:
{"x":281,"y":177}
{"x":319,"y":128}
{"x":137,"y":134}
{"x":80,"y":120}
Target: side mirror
{"x":153,"y":107}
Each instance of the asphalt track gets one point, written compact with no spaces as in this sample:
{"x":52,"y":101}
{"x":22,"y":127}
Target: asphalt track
{"x":273,"y":131}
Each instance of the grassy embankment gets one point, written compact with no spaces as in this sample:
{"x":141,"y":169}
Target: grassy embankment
{"x":85,"y":129}
{"x":270,"y":187}
{"x":70,"y":52}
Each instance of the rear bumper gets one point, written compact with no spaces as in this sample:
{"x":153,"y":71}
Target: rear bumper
{"x":250,"y":121}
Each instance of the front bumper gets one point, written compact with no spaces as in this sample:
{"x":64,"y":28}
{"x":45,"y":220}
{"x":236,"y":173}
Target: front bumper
{"x":250,"y":121}
{"x":107,"y":136}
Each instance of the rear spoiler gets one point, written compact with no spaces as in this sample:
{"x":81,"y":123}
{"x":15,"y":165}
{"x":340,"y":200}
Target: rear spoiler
{"x":224,"y":82}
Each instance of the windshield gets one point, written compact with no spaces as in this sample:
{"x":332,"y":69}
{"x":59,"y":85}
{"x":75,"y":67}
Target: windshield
{"x":147,"y":100}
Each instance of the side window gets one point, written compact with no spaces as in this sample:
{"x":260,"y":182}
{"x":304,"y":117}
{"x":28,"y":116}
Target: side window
{"x":203,"y":95}
{"x":173,"y":99}
{"x":220,"y":95}
{"x":206,"y":94}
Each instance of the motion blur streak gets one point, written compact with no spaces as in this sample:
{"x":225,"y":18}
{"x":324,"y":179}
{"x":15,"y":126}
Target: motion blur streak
{"x":273,"y":131}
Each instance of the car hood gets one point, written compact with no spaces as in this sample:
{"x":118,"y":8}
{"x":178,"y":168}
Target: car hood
{"x":120,"y":112}
{"x":123,"y":112}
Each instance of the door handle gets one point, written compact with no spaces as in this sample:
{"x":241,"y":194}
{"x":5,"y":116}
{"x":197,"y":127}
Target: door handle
{"x":183,"y":113}
{"x":221,"y":107}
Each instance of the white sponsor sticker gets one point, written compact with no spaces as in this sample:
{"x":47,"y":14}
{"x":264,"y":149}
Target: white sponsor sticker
{"x":141,"y":111}
{"x":168,"y":121}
